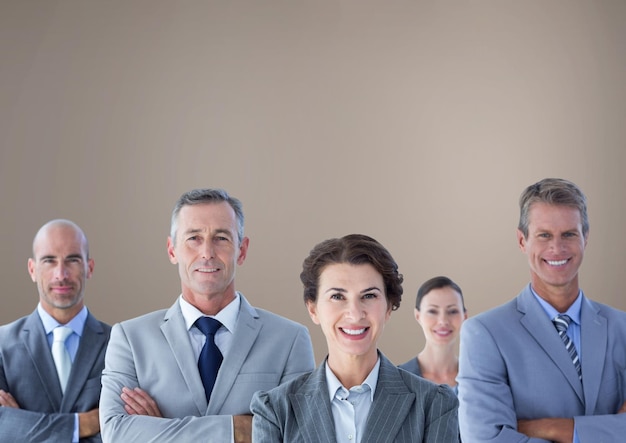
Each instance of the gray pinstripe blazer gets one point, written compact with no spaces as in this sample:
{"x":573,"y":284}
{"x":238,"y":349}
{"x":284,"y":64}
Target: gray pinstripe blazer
{"x":406,"y":408}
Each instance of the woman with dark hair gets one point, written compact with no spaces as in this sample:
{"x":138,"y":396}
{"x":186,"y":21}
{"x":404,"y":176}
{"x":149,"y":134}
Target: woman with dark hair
{"x":440,"y":311}
{"x":351,"y":286}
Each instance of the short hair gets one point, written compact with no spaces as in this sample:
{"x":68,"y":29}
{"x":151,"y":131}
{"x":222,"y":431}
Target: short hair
{"x":553,"y":191}
{"x":204,"y":196}
{"x":354,"y":249}
{"x":437,"y":283}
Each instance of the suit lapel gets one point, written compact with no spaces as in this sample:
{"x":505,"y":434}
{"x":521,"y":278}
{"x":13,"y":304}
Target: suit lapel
{"x":38,"y":349}
{"x":245,"y":334}
{"x":175,"y":332}
{"x":91,"y":344}
{"x":311,"y":408}
{"x":391,"y":393}
{"x":594,"y":336}
{"x":539,"y":326}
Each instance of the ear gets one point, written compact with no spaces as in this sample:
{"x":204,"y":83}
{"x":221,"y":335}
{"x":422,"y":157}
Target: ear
{"x":243,"y":250}
{"x":416,"y":314}
{"x":521,"y":241}
{"x":90,"y":265}
{"x":171,"y":254}
{"x":312,"y":308}
{"x":31,"y":269}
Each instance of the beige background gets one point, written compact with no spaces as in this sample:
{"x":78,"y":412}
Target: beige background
{"x":416,"y":122}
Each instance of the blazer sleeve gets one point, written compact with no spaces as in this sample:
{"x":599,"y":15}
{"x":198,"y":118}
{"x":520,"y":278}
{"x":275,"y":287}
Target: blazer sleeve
{"x":265,"y":422}
{"x":118,"y":426}
{"x":34,"y":427}
{"x":441,"y":422}
{"x":24,"y":425}
{"x":301,"y":358}
{"x":486,"y":410}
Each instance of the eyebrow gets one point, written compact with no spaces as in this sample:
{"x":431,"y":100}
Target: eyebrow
{"x":373,"y":288}
{"x":49,"y":256}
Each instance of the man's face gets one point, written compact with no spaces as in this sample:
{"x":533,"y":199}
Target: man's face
{"x":207,"y":251}
{"x":59,"y":268}
{"x":555,"y":246}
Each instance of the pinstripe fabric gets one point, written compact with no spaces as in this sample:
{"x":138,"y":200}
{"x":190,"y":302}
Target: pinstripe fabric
{"x":406,"y":409}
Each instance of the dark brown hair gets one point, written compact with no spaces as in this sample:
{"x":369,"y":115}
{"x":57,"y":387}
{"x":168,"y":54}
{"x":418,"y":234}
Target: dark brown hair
{"x":355,"y":249}
{"x":437,"y":283}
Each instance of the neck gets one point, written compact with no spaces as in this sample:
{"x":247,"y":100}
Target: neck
{"x":351,"y":370}
{"x":559,"y":297}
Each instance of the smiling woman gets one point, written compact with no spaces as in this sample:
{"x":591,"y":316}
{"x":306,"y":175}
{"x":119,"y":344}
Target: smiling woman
{"x":351,"y":286}
{"x":440,"y":311}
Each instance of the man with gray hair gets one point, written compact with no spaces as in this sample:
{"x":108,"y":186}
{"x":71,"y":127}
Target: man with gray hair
{"x":51,"y":360}
{"x":188,"y":373}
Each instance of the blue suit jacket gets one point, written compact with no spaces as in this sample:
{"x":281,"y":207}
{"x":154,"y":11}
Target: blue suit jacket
{"x":406,"y":408}
{"x":154,"y":352}
{"x":513,"y":365}
{"x":28,"y":372}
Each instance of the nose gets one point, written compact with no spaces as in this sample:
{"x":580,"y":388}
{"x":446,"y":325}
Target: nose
{"x":60,"y":272}
{"x":207,"y":251}
{"x":442,"y":319}
{"x":355,"y":310}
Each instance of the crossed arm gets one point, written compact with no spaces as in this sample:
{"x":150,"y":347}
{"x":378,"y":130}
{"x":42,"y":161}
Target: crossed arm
{"x":88,"y":422}
{"x":139,"y":402}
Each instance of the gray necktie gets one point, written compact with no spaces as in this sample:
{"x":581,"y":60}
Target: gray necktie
{"x":561,"y":322}
{"x":60,"y":355}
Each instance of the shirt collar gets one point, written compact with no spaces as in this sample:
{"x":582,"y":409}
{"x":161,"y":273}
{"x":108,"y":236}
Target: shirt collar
{"x":77,"y":324}
{"x":334,"y":384}
{"x":227,"y":316}
{"x":573,"y":312}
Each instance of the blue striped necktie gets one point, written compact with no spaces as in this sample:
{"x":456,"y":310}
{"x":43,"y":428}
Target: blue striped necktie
{"x":561,"y":322}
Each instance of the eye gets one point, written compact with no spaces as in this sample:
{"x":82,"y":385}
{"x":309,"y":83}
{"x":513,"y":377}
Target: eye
{"x":569,"y":234}
{"x":336,"y":296}
{"x":370,"y":296}
{"x":453,"y":311}
{"x":432,"y":311}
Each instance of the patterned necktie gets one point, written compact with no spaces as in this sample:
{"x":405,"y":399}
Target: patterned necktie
{"x":60,"y":355}
{"x":210,"y":355}
{"x":561,"y":322}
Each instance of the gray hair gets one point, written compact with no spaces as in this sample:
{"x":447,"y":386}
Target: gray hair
{"x":203,"y":196}
{"x":553,"y":191}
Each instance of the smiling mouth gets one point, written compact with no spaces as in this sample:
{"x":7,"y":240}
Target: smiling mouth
{"x":354,"y":331}
{"x":207,"y":270}
{"x":556,"y":262}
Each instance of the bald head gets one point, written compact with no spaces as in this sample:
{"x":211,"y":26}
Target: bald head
{"x":61,"y":224}
{"x":59,"y":267}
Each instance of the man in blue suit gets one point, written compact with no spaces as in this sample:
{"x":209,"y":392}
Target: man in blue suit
{"x":526,"y":376}
{"x":38,"y":404}
{"x":152,"y":388}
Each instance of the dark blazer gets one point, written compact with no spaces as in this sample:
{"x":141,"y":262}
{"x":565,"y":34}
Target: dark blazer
{"x":28,"y":372}
{"x":406,"y":408}
{"x":513,"y":365}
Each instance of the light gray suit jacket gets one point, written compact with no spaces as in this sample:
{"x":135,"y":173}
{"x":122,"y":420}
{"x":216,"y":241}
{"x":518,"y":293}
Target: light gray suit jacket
{"x":406,"y":408}
{"x":154,"y":352}
{"x":513,"y":365}
{"x":28,"y":372}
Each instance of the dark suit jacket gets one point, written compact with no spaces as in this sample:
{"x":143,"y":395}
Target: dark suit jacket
{"x":406,"y":408}
{"x":28,"y":372}
{"x":513,"y":365}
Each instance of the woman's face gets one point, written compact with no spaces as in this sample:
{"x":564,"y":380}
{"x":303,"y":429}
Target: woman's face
{"x":351,"y":309}
{"x":441,"y":315}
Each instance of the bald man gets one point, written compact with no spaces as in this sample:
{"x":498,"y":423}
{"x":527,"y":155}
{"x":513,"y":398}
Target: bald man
{"x":39,"y":404}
